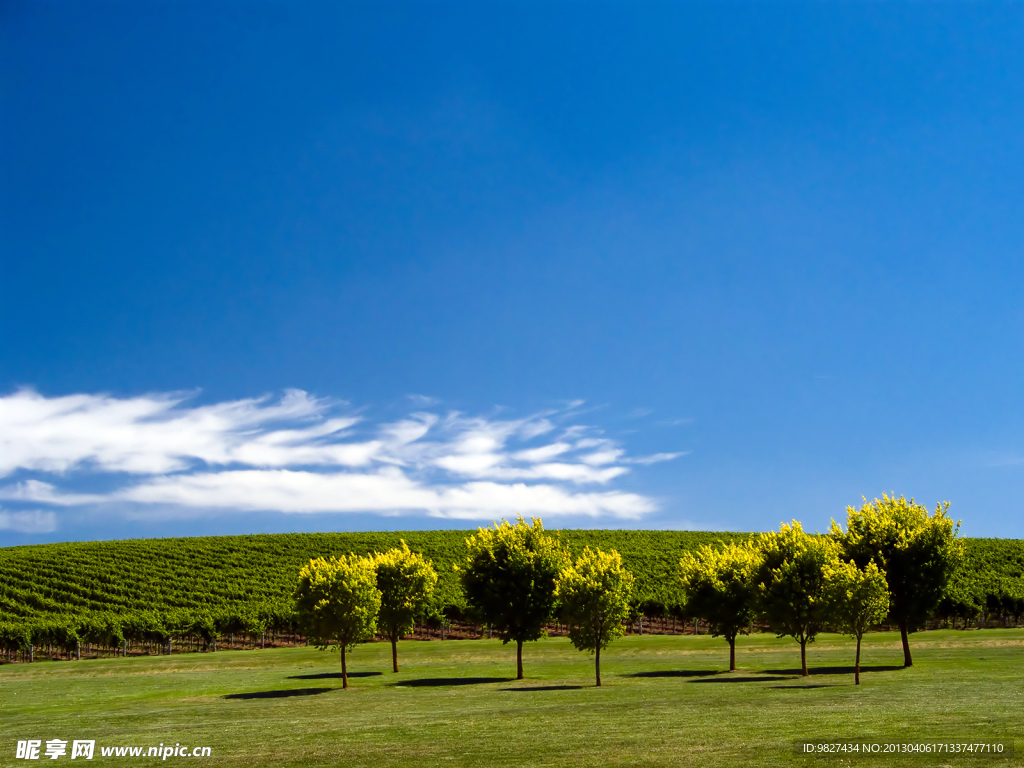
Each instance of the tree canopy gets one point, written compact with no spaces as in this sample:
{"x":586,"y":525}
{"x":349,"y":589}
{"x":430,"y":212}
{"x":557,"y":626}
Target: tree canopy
{"x":406,"y":581}
{"x":509,"y":577}
{"x":337,"y":602}
{"x":594,"y":596}
{"x":917,"y":552}
{"x":857,"y":598}
{"x":719,"y":586}
{"x":790,"y":583}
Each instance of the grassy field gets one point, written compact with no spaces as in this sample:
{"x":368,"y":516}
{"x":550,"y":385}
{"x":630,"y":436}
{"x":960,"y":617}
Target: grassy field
{"x":665,"y":702}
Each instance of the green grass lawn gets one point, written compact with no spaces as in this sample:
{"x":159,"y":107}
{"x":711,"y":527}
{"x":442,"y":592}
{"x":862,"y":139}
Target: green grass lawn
{"x":665,"y":702}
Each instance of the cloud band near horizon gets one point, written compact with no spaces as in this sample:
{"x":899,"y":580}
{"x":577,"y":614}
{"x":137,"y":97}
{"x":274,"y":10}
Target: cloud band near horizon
{"x":300,"y":454}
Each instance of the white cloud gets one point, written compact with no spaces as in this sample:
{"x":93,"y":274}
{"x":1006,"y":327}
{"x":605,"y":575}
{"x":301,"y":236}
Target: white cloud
{"x":28,"y":521}
{"x":543,"y":453}
{"x":302,"y":454}
{"x":609,"y":456}
{"x":151,"y":435}
{"x":388,"y":490}
{"x":655,"y":458}
{"x":45,"y":493}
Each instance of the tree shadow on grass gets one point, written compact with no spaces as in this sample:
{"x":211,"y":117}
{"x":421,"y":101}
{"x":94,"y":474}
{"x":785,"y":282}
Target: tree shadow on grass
{"x":279,"y":694}
{"x":803,"y":687}
{"x":745,"y":679}
{"x":437,"y":681}
{"x":546,"y":688}
{"x":835,"y":670}
{"x":676,"y":673}
{"x":332,"y":676}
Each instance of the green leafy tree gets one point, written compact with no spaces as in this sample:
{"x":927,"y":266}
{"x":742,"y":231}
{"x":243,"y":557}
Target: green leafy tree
{"x":917,"y":552}
{"x":509,"y":577}
{"x":406,"y":581}
{"x":205,"y":627}
{"x":594,"y":596}
{"x":857,"y":598}
{"x":337,"y":602}
{"x":791,"y":583}
{"x":719,"y":586}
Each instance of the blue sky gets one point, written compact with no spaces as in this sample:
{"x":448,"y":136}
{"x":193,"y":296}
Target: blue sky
{"x":648,"y":265}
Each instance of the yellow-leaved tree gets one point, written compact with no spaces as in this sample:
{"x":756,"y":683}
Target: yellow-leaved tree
{"x":406,"y":581}
{"x":917,"y":552}
{"x":594,"y":596}
{"x":719,"y":586}
{"x":337,"y":601}
{"x":857,"y":598}
{"x":509,"y":577}
{"x":790,"y":583}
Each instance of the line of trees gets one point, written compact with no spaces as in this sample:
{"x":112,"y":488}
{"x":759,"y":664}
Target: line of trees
{"x":516,"y":579}
{"x":893,"y":561}
{"x":239,"y":575}
{"x":341,"y":601}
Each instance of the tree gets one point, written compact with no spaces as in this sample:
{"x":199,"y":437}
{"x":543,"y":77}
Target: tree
{"x":719,"y":587}
{"x":337,"y":601}
{"x":790,"y":583}
{"x":406,"y":581}
{"x":594,"y":597}
{"x":204,"y":627}
{"x":917,"y":552}
{"x":856,"y":599}
{"x":509,"y":577}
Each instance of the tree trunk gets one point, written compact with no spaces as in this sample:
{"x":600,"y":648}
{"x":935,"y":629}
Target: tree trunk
{"x":640,"y":625}
{"x":344,"y":669}
{"x":78,"y":650}
{"x":597,"y":665}
{"x":907,"y":661}
{"x":394,"y":652}
{"x":519,"y":659}
{"x":732,"y":653}
{"x":803,"y":658}
{"x":856,"y":664}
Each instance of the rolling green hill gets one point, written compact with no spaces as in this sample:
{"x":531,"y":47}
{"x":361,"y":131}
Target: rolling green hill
{"x":253,"y":574}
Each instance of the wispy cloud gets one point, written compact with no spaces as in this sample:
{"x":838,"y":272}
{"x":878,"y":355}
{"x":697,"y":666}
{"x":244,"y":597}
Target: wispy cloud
{"x":655,"y":458}
{"x":300,"y":454}
{"x":28,"y":521}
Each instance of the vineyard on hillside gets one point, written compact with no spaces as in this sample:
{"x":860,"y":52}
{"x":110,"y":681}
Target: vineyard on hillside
{"x":225,"y":572}
{"x":151,"y":589}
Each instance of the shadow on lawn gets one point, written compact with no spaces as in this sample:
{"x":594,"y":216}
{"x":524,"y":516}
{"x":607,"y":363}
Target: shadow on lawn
{"x":279,"y":694}
{"x":803,"y":687}
{"x":332,"y":675}
{"x":432,"y":681}
{"x":746,"y":679}
{"x":546,"y":688}
{"x":835,"y":670}
{"x":676,"y":673}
